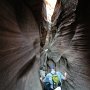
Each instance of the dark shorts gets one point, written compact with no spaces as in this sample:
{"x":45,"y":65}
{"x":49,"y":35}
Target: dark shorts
{"x":47,"y":86}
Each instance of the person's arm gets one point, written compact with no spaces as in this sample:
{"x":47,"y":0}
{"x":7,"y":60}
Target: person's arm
{"x":64,"y":77}
{"x":41,"y":79}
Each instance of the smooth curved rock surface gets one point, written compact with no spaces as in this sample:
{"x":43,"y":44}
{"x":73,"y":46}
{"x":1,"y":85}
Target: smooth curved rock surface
{"x":19,"y":46}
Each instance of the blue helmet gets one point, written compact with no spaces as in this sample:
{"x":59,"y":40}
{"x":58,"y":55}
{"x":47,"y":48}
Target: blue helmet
{"x":52,"y":66}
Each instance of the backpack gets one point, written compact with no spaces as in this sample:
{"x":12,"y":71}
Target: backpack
{"x":55,"y":79}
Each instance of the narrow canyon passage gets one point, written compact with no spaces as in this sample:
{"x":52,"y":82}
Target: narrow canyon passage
{"x":26,"y":45}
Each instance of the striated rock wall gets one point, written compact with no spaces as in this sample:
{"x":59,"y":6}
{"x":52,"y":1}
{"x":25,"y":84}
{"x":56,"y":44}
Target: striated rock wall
{"x":72,"y":42}
{"x":19,"y":45}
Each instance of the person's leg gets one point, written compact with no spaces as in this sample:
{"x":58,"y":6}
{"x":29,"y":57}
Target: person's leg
{"x":51,"y":89}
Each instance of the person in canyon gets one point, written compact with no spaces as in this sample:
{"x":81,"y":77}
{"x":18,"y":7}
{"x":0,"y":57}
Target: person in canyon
{"x":53,"y":79}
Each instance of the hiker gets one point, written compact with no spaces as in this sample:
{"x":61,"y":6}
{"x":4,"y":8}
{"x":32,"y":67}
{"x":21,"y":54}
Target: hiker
{"x":53,"y":80}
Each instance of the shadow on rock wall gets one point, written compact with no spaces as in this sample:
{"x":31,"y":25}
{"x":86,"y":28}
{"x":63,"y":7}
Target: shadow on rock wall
{"x":19,"y":46}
